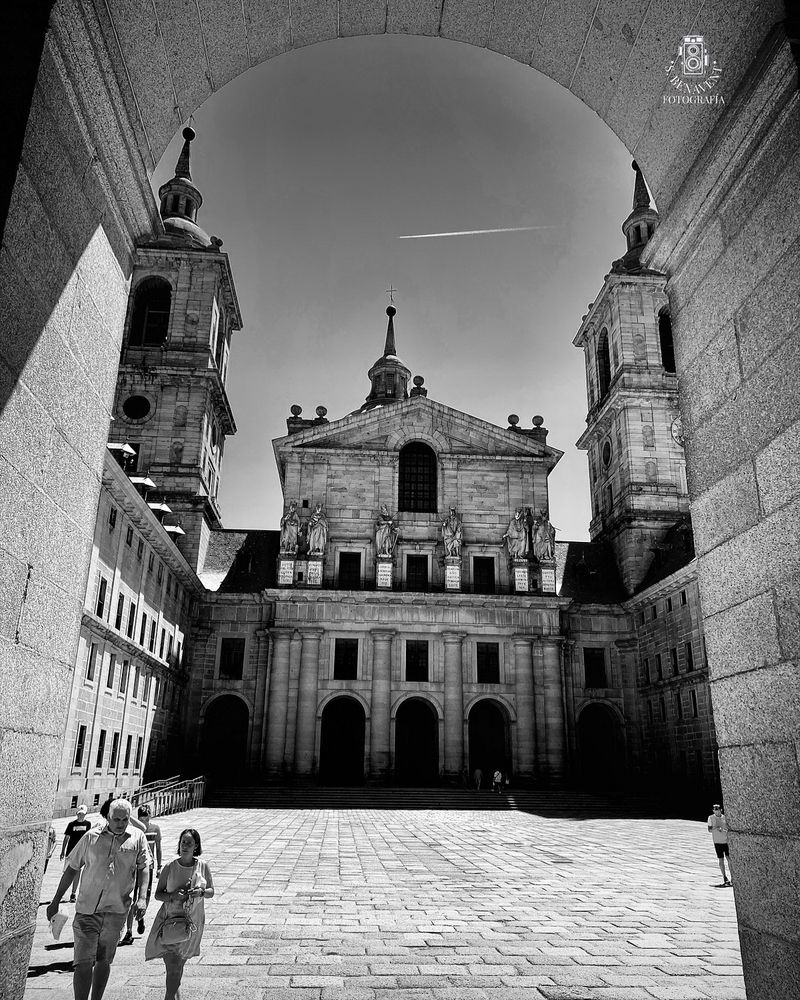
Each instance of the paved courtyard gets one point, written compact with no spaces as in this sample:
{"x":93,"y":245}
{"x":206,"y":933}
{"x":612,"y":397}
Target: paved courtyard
{"x":324,"y":904}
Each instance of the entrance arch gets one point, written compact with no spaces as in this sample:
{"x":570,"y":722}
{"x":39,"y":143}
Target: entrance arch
{"x":489,"y":739}
{"x":416,"y":742}
{"x":341,"y":744}
{"x":600,"y":748}
{"x":223,"y":738}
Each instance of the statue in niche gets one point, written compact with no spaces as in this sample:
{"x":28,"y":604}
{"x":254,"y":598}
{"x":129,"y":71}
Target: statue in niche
{"x":544,"y":538}
{"x":176,"y":453}
{"x":317,"y":532}
{"x":452,"y":533}
{"x":180,"y":416}
{"x":386,"y":532}
{"x":516,"y":535}
{"x":290,"y":528}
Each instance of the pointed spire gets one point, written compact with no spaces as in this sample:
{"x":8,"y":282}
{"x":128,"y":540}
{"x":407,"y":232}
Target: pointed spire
{"x":181,"y":201}
{"x":389,"y":347}
{"x":641,"y":199}
{"x":638,"y":227}
{"x":182,"y":166}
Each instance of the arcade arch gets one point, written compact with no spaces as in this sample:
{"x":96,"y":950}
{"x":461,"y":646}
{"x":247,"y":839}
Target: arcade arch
{"x":223,"y":737}
{"x":601,"y":747}
{"x":342,"y":742}
{"x":489,"y":738}
{"x":416,"y":742}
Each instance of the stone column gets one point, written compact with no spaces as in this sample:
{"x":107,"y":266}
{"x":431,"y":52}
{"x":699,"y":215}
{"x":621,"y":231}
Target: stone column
{"x":539,"y":717}
{"x":379,"y":749}
{"x":628,"y":665}
{"x":307,"y":703}
{"x":555,"y":737}
{"x":278,"y":700}
{"x":523,"y":766}
{"x":453,"y":704}
{"x":259,"y":660}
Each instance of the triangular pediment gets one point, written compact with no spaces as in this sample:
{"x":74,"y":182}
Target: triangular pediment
{"x":447,"y":430}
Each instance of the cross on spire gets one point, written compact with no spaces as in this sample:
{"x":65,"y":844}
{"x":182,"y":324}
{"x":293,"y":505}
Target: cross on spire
{"x":390,"y":292}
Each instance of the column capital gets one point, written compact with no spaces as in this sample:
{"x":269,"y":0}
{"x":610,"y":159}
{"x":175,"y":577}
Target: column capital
{"x":523,"y":640}
{"x":281,"y":633}
{"x":312,"y":634}
{"x":454,"y":637}
{"x":384,"y":634}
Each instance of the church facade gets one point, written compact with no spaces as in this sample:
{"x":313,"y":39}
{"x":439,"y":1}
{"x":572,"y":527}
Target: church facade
{"x":414,"y":617}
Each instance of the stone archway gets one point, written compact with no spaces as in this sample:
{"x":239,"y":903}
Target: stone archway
{"x":223,"y":739}
{"x":600,"y":749}
{"x":341,"y":745}
{"x":489,"y":740}
{"x":416,"y":743}
{"x":112,"y":90}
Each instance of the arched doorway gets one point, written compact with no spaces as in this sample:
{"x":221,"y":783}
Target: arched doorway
{"x":416,"y":758}
{"x":600,"y":749}
{"x":223,"y":739}
{"x":489,"y":746}
{"x":341,"y":749}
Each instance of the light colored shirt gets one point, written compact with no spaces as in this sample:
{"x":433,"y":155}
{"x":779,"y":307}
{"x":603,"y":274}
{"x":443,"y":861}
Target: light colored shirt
{"x":109,"y":866}
{"x":719,"y":828}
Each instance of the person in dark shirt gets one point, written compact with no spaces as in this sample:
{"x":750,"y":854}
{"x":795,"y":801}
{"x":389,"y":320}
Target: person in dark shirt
{"x":73,"y":833}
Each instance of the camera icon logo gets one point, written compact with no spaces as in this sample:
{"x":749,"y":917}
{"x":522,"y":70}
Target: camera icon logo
{"x":693,"y":55}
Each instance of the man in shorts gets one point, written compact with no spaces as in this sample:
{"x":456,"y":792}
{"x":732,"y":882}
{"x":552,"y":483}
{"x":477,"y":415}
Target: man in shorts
{"x":73,"y":833}
{"x":152,"y":832}
{"x":115,"y":860}
{"x":718,"y":828}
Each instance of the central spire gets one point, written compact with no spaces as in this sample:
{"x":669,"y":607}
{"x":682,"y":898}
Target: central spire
{"x":389,"y":376}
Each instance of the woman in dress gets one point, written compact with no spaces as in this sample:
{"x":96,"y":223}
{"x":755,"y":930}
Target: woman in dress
{"x":183,"y":886}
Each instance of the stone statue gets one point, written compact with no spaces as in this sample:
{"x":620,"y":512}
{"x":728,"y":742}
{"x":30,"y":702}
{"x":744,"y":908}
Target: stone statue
{"x":544,"y":538}
{"x":516,"y":535}
{"x":452,"y":533}
{"x":290,"y":527}
{"x":385,"y":532}
{"x":317,"y":532}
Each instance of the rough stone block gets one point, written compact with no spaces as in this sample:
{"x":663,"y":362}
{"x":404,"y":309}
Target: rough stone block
{"x":762,"y":787}
{"x":711,"y":378}
{"x":771,"y":313}
{"x":313,"y":21}
{"x":726,"y":510}
{"x":15,"y":952}
{"x":771,"y":965}
{"x":744,"y":637}
{"x":225,"y":39}
{"x":764,"y":903}
{"x":778,"y":470}
{"x":362,"y":17}
{"x":28,"y":769}
{"x":467,"y":21}
{"x":759,"y":706}
{"x":513,"y":30}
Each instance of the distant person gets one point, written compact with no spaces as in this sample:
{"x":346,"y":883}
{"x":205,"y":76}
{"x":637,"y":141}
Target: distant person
{"x":152,"y":834}
{"x":178,"y":927}
{"x":51,"y":845}
{"x":73,"y":833}
{"x":497,"y":782}
{"x":115,"y":861}
{"x":477,"y":777}
{"x":718,"y":828}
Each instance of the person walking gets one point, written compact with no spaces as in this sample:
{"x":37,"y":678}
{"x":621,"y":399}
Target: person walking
{"x":177,"y":930}
{"x":73,"y":833}
{"x":114,"y":860}
{"x":497,"y":782}
{"x":718,"y":828}
{"x":477,"y":777}
{"x":152,"y":833}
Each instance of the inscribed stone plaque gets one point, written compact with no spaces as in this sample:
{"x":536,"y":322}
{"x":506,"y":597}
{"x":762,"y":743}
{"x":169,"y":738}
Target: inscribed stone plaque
{"x":314,"y":577}
{"x":548,"y":579}
{"x":521,"y":581}
{"x":383,"y":576}
{"x":452,"y":576}
{"x":285,"y":572}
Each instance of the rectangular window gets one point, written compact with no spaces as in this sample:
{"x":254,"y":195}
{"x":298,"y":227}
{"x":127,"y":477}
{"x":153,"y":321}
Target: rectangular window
{"x":693,"y":700}
{"x":483,"y":581}
{"x":350,"y":570}
{"x":146,"y":692}
{"x":678,"y":705}
{"x":689,"y":656}
{"x":594,"y":665}
{"x":646,"y":670}
{"x":136,"y":675}
{"x":80,"y":744}
{"x":650,"y":712}
{"x":143,"y":629}
{"x":140,"y":549}
{"x":129,"y":536}
{"x":112,"y":518}
{"x":669,"y":605}
{"x":487,"y":659}
{"x":683,"y":598}
{"x":160,"y":574}
{"x":138,"y":761}
{"x":128,"y":744}
{"x":131,"y":620}
{"x":114,"y":751}
{"x":112,"y":669}
{"x":641,"y":617}
{"x":123,"y":676}
{"x":150,"y":560}
{"x":101,"y":597}
{"x":674,"y":657}
{"x":152,"y":644}
{"x":91,"y":662}
{"x":417,"y":573}
{"x":662,"y":709}
{"x":120,"y":613}
{"x":179,"y":655}
{"x":345,"y":660}
{"x":416,"y":660}
{"x":654,"y":611}
{"x":101,"y":749}
{"x":161,"y":644}
{"x":231,"y":658}
{"x":659,"y":668}
{"x":169,"y":646}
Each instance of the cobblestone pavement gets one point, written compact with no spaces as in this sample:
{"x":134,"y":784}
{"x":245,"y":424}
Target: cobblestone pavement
{"x":323,"y":904}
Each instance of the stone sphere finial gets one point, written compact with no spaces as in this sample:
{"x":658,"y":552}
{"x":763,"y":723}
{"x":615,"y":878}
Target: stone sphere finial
{"x":321,"y":411}
{"x":189,"y":133}
{"x":418,"y":380}
{"x":391,"y":311}
{"x":296,"y":410}
{"x":513,"y":419}
{"x":538,"y":421}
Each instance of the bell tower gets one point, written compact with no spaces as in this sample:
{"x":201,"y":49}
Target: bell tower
{"x":633,"y":436}
{"x":171,"y":405}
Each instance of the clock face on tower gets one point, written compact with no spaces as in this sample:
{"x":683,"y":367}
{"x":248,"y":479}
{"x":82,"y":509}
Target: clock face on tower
{"x":677,"y":431}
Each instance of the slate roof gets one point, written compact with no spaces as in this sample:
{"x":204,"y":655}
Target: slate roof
{"x":241,"y":562}
{"x":673,"y":553}
{"x":587,"y":572}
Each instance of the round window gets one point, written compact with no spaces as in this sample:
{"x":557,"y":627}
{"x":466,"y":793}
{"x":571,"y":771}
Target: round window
{"x":606,"y":453}
{"x":136,"y":407}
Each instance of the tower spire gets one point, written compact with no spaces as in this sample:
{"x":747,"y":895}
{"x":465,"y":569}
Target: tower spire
{"x":389,"y":347}
{"x":638,"y":227}
{"x":389,"y":376}
{"x":180,"y":201}
{"x":182,"y":166}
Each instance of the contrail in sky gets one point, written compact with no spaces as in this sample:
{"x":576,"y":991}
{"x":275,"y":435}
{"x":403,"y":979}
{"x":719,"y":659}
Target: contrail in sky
{"x":474,"y":232}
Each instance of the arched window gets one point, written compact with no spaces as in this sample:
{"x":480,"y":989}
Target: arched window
{"x":417,"y":488}
{"x":603,"y":364}
{"x":150,"y":318}
{"x":665,"y":338}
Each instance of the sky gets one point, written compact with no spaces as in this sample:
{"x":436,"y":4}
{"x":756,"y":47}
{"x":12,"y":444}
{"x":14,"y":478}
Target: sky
{"x":314,"y":164}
